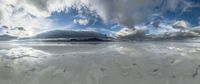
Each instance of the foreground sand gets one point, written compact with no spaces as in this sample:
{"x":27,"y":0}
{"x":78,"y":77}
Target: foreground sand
{"x":100,"y":63}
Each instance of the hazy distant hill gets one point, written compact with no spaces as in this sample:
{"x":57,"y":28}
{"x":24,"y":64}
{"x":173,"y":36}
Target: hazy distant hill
{"x":7,"y":37}
{"x":61,"y":35}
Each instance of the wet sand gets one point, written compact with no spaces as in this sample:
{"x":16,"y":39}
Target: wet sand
{"x":100,"y":63}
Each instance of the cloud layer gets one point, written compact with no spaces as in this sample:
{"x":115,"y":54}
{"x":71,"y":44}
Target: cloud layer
{"x":33,"y":14}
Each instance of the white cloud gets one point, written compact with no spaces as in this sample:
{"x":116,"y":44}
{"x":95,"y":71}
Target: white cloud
{"x":15,"y":15}
{"x":81,"y":21}
{"x":125,"y":12}
{"x":125,"y":32}
{"x":180,"y":24}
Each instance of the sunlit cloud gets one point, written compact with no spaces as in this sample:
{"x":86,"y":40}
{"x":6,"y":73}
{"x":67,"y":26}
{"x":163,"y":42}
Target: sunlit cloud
{"x":81,"y":21}
{"x":33,"y":15}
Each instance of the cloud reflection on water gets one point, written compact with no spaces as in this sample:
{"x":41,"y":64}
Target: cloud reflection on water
{"x":103,"y":63}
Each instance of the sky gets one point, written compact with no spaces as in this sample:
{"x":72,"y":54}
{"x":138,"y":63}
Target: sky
{"x":24,"y":18}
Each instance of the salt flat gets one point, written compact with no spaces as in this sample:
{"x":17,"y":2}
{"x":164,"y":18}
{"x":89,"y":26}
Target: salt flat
{"x":100,"y":63}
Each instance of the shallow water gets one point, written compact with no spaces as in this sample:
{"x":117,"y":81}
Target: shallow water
{"x":100,"y":63}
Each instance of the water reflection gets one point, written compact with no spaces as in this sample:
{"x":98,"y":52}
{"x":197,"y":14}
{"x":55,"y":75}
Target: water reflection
{"x":24,"y":52}
{"x":105,"y":63}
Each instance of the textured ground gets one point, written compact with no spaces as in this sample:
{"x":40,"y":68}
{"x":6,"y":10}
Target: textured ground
{"x":100,"y":63}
